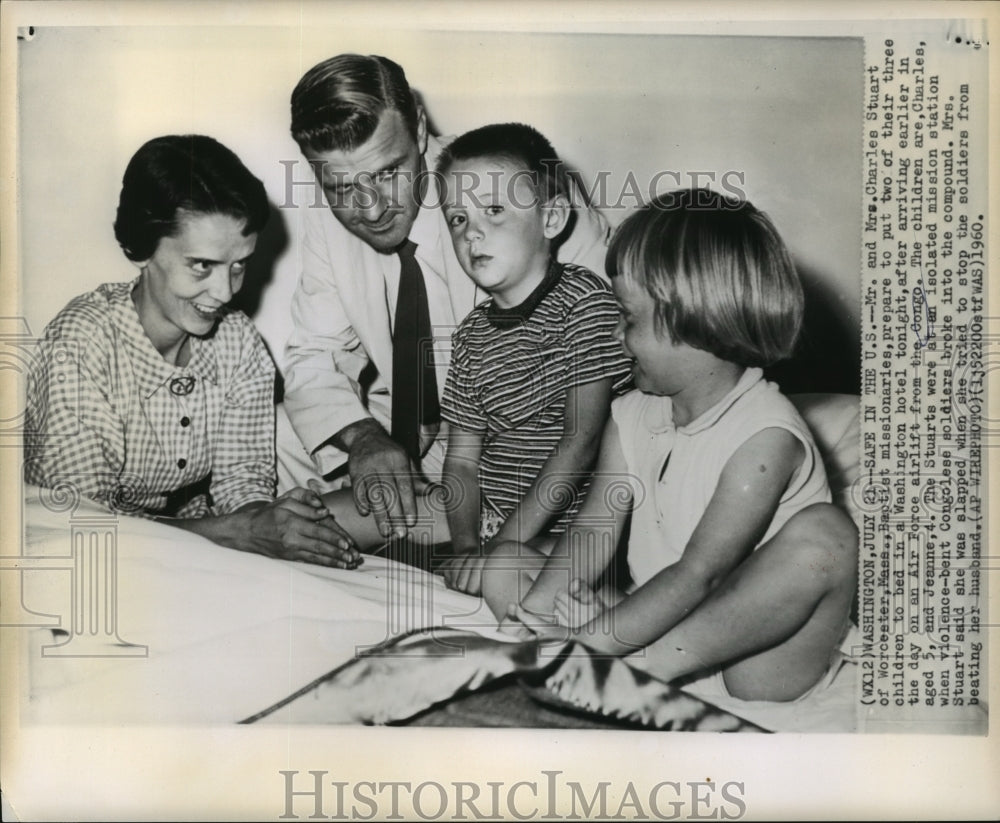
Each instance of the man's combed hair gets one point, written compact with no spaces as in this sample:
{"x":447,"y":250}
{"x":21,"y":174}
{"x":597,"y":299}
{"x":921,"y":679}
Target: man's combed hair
{"x":720,"y":275}
{"x":337,"y":104}
{"x":517,"y":143}
{"x":190,"y":173}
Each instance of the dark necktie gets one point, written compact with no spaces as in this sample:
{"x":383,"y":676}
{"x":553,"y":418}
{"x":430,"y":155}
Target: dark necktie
{"x":414,"y":383}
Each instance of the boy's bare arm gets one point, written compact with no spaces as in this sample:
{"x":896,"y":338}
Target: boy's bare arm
{"x":603,"y":512}
{"x":461,"y":476}
{"x":586,"y":413}
{"x":737,"y":517}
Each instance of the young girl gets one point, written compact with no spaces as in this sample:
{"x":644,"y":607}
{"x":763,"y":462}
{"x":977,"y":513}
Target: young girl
{"x":740,"y":565}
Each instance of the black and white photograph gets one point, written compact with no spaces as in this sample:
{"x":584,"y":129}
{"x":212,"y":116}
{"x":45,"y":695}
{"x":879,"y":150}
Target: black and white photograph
{"x":413,"y":412}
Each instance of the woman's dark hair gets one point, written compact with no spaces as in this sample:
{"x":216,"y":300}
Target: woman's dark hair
{"x":172,"y":175}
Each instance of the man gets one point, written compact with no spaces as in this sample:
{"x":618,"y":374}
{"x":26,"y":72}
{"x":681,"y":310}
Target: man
{"x":373,"y":313}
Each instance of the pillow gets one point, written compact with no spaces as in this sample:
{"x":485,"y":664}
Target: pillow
{"x":835,"y":422}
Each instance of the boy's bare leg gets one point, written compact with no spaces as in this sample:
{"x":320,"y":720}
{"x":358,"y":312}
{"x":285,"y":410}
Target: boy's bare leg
{"x":431,"y":526}
{"x":780,"y":614}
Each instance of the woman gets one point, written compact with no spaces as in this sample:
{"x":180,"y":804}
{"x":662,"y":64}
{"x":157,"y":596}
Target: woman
{"x":151,"y":396}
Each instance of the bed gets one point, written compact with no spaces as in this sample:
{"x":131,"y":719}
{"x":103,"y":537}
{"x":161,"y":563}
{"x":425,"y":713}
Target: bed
{"x":131,"y":621}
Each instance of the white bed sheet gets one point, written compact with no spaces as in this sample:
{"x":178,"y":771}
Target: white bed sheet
{"x":228,"y":633}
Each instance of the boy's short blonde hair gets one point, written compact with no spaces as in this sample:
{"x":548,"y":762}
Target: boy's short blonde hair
{"x":718,"y":271}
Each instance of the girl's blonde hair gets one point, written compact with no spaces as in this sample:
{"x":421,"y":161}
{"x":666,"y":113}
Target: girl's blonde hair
{"x":718,"y":272}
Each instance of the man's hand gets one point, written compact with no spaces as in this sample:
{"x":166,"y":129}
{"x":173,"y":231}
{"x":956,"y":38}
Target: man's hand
{"x":383,"y":478}
{"x":297,"y":526}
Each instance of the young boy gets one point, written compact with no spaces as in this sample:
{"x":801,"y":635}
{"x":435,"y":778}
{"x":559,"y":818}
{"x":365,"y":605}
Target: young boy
{"x":534,"y":367}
